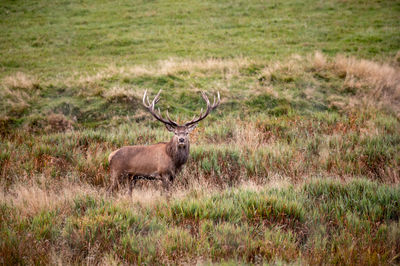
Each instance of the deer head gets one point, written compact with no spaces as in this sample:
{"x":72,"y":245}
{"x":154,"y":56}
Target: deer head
{"x":181,"y":132}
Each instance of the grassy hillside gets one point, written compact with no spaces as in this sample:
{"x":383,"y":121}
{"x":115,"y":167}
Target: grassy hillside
{"x":299,"y":164}
{"x":63,"y":37}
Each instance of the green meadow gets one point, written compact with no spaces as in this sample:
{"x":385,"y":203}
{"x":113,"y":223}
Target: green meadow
{"x":300,"y":163}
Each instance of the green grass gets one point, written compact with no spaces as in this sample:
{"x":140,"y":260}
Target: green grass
{"x":58,"y":38}
{"x":298,"y":165}
{"x":313,"y":223}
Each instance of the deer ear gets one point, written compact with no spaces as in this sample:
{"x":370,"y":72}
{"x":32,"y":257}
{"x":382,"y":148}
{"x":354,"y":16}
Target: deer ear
{"x":190,"y":128}
{"x":170,"y":128}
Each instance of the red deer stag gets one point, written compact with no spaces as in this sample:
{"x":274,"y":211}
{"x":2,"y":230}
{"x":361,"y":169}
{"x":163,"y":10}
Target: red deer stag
{"x":161,"y":161}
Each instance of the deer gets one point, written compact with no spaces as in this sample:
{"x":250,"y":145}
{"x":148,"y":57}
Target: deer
{"x":161,"y":161}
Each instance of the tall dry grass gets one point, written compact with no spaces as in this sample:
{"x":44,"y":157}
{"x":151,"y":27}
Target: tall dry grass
{"x":375,"y":84}
{"x":378,"y":83}
{"x":20,"y":80}
{"x":39,"y":194}
{"x":17,"y":92}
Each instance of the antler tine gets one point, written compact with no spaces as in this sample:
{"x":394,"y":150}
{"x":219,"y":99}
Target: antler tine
{"x":146,"y":101}
{"x":150,"y":107}
{"x":157,"y":98}
{"x":215,"y":101}
{"x":169,"y":118}
{"x":144,"y":98}
{"x":215,"y":104}
{"x":209,"y":109}
{"x":194,"y":117}
{"x":204,"y":95}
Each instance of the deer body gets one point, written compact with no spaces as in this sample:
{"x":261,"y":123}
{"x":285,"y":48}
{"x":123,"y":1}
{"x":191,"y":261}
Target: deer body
{"x":161,"y":161}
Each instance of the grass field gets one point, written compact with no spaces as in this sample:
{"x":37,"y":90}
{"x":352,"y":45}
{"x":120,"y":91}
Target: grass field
{"x":300,"y":164}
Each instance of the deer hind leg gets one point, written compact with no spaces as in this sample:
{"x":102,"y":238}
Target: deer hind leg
{"x":132,"y":183}
{"x":114,"y":180}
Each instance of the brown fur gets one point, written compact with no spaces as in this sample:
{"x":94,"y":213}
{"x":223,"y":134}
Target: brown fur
{"x":161,"y":161}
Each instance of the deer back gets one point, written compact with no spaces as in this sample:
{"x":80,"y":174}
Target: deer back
{"x":142,"y":160}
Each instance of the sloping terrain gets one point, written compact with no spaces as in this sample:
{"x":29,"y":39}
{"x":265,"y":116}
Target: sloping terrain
{"x":299,"y":164}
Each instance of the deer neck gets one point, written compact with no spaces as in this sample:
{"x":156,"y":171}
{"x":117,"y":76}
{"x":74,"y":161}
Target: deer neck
{"x":179,"y":154}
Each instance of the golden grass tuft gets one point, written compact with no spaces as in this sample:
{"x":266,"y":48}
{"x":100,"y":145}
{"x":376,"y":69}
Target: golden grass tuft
{"x":164,"y":67}
{"x":293,"y":65}
{"x":378,"y":82}
{"x":20,"y":80}
{"x":319,"y":60}
{"x":172,"y":66}
{"x":58,"y":123}
{"x":17,"y":91}
{"x":376,"y":74}
{"x":374,"y":83}
{"x":15,"y":101}
{"x":120,"y":93}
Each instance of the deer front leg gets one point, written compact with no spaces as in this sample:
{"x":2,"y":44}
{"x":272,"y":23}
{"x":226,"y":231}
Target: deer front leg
{"x":165,"y":179}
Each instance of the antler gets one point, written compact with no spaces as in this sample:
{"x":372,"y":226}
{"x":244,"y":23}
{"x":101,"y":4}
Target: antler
{"x":150,"y":108}
{"x":209,"y":109}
